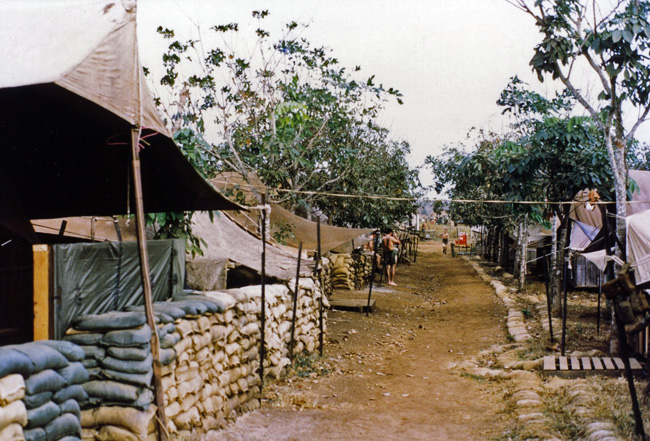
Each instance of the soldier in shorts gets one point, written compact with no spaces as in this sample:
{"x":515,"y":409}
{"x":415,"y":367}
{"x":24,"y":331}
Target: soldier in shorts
{"x":390,"y":243}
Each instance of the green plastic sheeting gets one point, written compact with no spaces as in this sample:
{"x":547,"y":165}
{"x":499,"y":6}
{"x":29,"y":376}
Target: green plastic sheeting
{"x":94,"y":278}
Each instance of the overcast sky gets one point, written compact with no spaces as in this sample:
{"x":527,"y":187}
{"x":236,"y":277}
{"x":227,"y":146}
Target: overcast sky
{"x":450,"y":58}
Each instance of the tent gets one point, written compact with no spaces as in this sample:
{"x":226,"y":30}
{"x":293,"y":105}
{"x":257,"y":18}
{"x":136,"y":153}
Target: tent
{"x":230,"y":245}
{"x":301,"y":230}
{"x":72,"y":88}
{"x":638,"y":246}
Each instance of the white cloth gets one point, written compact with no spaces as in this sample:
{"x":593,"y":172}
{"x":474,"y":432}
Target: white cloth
{"x":638,"y":245}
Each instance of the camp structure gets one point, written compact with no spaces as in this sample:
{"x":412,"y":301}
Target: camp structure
{"x":77,"y":120}
{"x":232,"y":257}
{"x":285,"y":225}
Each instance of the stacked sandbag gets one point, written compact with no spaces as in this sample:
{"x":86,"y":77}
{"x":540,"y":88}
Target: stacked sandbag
{"x":13,"y":415}
{"x":51,"y":393}
{"x":343,"y":271}
{"x":326,"y":276}
{"x":363,"y":268}
{"x":117,"y":353}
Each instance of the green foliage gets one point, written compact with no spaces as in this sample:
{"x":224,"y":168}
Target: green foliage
{"x":176,"y":226}
{"x":282,"y":231}
{"x":291,"y":114}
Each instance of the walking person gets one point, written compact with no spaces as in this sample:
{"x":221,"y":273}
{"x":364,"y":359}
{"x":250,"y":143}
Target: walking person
{"x":445,"y":240}
{"x":391,"y":243}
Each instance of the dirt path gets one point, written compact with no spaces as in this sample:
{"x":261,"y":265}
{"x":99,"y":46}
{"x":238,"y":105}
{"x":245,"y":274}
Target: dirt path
{"x":391,"y":376}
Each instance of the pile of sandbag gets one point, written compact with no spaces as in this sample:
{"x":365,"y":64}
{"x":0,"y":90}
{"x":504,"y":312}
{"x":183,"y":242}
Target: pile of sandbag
{"x":343,"y":271}
{"x":41,"y":392}
{"x":363,"y":268}
{"x":117,"y":351}
{"x":326,"y":276}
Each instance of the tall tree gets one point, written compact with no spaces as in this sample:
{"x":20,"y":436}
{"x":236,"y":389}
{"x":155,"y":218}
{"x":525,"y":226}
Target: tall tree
{"x":613,"y":44}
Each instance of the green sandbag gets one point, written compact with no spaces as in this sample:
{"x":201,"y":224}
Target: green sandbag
{"x":40,"y":416}
{"x":84,"y":339}
{"x":138,"y":379}
{"x":109,"y":321}
{"x":165,"y":329}
{"x":90,"y":363}
{"x":169,"y":340}
{"x":37,"y":434}
{"x":144,"y":400}
{"x":71,"y":406}
{"x":111,"y":391}
{"x":214,"y":306}
{"x":65,"y":425}
{"x":129,"y":366}
{"x":34,"y":401}
{"x":75,"y":391}
{"x":167,"y":356}
{"x":94,"y":352}
{"x":14,"y":362}
{"x":42,"y":356}
{"x":136,"y":354}
{"x":47,"y":380}
{"x":75,"y":373}
{"x":130,"y":337}
{"x":68,"y":349}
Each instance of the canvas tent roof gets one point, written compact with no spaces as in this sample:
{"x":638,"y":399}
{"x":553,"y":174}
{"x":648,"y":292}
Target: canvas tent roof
{"x":228,"y":241}
{"x":71,"y":88}
{"x":638,"y":246}
{"x":303,"y":230}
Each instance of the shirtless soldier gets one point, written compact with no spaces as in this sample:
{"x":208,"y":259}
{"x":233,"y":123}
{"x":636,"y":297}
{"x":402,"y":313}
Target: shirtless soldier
{"x":390,"y":242}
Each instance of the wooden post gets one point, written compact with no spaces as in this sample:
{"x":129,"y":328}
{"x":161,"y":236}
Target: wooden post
{"x":146,"y":284}
{"x":375,"y":245}
{"x":322,"y":291}
{"x":263,"y":305}
{"x":43,"y":291}
{"x":295,"y":303}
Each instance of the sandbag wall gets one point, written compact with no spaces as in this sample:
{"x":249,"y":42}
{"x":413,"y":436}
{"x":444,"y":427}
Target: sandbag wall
{"x":350,"y":271}
{"x":326,"y":276}
{"x":41,"y":392}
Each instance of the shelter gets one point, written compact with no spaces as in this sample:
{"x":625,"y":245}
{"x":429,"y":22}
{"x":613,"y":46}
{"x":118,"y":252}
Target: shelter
{"x":283,"y":221}
{"x":74,"y":103}
{"x":232,"y":257}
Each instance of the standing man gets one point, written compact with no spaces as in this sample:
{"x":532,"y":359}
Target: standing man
{"x":390,"y":243}
{"x":445,"y":240}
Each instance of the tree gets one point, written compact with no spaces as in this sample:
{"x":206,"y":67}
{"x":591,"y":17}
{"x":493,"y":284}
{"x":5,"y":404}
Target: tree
{"x":613,"y":44}
{"x":285,"y":110}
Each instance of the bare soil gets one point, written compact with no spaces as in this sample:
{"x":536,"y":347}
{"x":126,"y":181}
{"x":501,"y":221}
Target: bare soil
{"x":388,"y":376}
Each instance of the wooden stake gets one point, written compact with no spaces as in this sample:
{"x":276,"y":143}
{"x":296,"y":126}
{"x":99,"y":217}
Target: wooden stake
{"x":146,"y":284}
{"x":295,"y":303}
{"x":322,"y":290}
{"x":263,"y":305}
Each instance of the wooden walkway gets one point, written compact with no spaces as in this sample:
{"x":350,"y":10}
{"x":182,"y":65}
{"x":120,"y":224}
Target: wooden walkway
{"x":352,"y":304}
{"x":581,"y":366}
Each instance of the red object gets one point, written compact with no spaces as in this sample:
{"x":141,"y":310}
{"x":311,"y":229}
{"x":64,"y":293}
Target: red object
{"x":462,"y":239}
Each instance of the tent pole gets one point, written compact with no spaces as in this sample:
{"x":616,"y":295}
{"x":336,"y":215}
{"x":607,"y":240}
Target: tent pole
{"x":564,"y":306}
{"x":548,"y":296}
{"x":322,"y":290}
{"x":146,"y":284}
{"x":263,"y":300}
{"x":295,"y":303}
{"x":600,"y":293}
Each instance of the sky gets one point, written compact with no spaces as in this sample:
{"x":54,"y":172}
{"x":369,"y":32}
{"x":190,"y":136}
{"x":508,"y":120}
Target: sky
{"x":449,"y":58}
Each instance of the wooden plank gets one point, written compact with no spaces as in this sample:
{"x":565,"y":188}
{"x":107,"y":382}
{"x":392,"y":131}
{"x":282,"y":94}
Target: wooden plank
{"x":575,"y":364}
{"x":586,"y":364}
{"x":619,"y":363}
{"x":609,"y":365}
{"x":564,"y":364}
{"x":549,"y":363}
{"x":354,"y":304}
{"x":598,"y":365}
{"x":42,"y":288}
{"x":635,"y":365}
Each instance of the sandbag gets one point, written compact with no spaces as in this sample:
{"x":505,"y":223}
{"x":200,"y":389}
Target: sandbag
{"x":14,"y":362}
{"x":75,"y":391}
{"x":139,"y":379}
{"x":213,"y":306}
{"x":74,"y":373}
{"x":68,"y":349}
{"x":144,"y":400}
{"x":90,"y":363}
{"x":111,"y":391}
{"x":129,"y":366}
{"x":130,"y":337}
{"x":169,"y":340}
{"x":12,"y":388}
{"x":37,"y":434}
{"x":65,"y":425}
{"x":167,"y":356}
{"x":70,"y":438}
{"x":13,"y":432}
{"x":136,"y":421}
{"x":47,"y":380}
{"x":191,"y":307}
{"x":71,"y":406}
{"x":93,"y":352}
{"x":43,"y":357}
{"x":117,"y":433}
{"x":34,"y":401}
{"x":137,"y":354}
{"x":166,"y":329}
{"x":13,"y":413}
{"x":109,"y":321}
{"x":84,"y":338}
{"x":40,"y":416}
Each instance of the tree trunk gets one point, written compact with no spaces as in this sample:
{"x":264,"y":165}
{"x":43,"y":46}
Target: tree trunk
{"x":553,"y":268}
{"x":523,"y":251}
{"x":559,"y":261}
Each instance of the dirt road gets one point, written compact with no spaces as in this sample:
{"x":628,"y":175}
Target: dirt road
{"x":391,"y":376}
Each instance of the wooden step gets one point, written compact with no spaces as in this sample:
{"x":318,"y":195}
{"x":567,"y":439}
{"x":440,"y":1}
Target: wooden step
{"x":579,"y":366}
{"x":352,"y":304}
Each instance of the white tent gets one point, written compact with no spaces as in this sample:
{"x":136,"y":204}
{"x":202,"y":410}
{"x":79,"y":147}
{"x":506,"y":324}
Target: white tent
{"x":638,"y":245}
